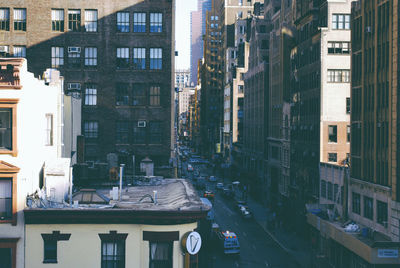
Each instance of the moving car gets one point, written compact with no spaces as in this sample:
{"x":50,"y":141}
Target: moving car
{"x":229,"y":242}
{"x":209,"y":194}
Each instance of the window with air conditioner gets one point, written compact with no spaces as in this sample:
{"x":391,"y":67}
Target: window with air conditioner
{"x":74,"y":57}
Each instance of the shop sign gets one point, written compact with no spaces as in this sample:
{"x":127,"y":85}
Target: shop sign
{"x":191,"y":242}
{"x":388,"y":253}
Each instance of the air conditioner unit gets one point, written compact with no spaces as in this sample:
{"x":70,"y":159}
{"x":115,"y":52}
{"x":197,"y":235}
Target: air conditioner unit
{"x":141,"y":123}
{"x":4,"y":49}
{"x":74,"y":86}
{"x":74,"y":50}
{"x":368,"y":29}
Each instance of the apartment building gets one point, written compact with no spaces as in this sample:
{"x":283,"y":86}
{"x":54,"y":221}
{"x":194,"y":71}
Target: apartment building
{"x":117,"y":55}
{"x":31,"y":142}
{"x":256,"y":106}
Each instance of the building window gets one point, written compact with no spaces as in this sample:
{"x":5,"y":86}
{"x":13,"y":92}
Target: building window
{"x":57,"y":57}
{"x":382,"y":213}
{"x":338,"y":76}
{"x":74,"y":57}
{"x":6,"y":128}
{"x":139,"y":132}
{"x":122,"y":94}
{"x":6,"y":200}
{"x":90,"y":56}
{"x":155,"y":58}
{"x":155,"y":22}
{"x":348,"y":103}
{"x":50,"y":245}
{"x":122,"y":57}
{"x":50,"y":251}
{"x":332,"y":133}
{"x":122,"y":132}
{"x":19,"y":51}
{"x":341,"y":22}
{"x":8,"y":252}
{"x":323,"y":188}
{"x":330,"y":191}
{"x":20,"y":19}
{"x":160,"y":254}
{"x":335,"y":193}
{"x":240,"y":89}
{"x":91,"y":95}
{"x":139,"y":22}
{"x":74,"y":20}
{"x":332,"y":157}
{"x":4,"y":19}
{"x":57,"y":20}
{"x":240,"y":2}
{"x":356,"y":204}
{"x":348,"y":130}
{"x":139,"y":58}
{"x":91,"y":20}
{"x":368,"y":208}
{"x":123,"y":22}
{"x":49,"y":130}
{"x":339,"y":48}
{"x":155,"y":132}
{"x":91,"y":129}
{"x":155,"y":92}
{"x":139,"y":95}
{"x":113,"y":250}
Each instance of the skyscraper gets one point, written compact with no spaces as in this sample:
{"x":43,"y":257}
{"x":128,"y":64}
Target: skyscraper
{"x":197,"y":30}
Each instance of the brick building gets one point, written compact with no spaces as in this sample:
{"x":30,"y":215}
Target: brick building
{"x":117,"y":55}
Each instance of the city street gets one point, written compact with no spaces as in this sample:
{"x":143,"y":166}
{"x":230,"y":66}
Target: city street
{"x":257,"y":248}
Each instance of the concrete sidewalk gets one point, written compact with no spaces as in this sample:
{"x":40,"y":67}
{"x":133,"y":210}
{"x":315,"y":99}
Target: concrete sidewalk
{"x":299,"y":249}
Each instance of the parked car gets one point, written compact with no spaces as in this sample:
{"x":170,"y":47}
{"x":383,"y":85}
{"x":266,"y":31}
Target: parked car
{"x":220,"y":186}
{"x":245,"y":212}
{"x":212,"y":179}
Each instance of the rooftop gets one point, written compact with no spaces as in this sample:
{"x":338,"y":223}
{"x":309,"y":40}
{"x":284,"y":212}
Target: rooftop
{"x":168,"y":199}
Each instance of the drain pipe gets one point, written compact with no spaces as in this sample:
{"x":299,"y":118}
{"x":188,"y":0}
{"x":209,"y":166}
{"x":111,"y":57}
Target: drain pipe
{"x":121,"y":169}
{"x":155,"y":197}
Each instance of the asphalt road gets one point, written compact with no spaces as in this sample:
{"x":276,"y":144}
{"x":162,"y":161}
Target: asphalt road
{"x":257,"y":249}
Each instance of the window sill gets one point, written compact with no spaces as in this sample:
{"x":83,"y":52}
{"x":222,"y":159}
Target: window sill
{"x":13,"y":153}
{"x":50,"y":261}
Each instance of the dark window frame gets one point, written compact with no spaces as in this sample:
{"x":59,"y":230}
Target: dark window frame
{"x":116,"y":239}
{"x":156,"y":25}
{"x":5,"y":23}
{"x":57,"y":24}
{"x":368,"y":207}
{"x":123,"y":25}
{"x":20,"y":24}
{"x":74,"y":20}
{"x":332,"y":135}
{"x":139,"y":25}
{"x":356,"y":203}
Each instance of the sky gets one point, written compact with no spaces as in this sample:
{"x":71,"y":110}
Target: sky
{"x":182,"y":32}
